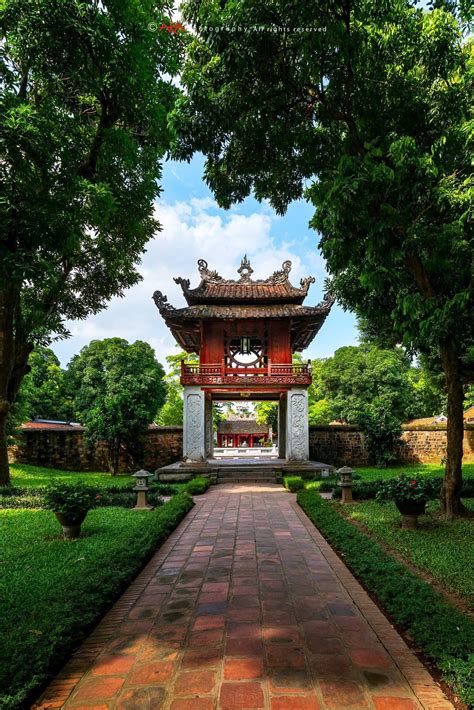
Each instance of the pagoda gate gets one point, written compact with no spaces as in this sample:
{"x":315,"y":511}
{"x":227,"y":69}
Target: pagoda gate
{"x":245,"y":332}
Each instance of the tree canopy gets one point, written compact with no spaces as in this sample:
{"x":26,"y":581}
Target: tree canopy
{"x":363,"y":108}
{"x":118,"y":389}
{"x":86,"y":93}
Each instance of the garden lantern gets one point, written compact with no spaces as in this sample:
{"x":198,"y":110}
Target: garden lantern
{"x":141,"y":487}
{"x":345,"y":482}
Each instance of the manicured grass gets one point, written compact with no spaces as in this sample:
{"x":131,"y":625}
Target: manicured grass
{"x":53,"y":591}
{"x":372,"y":473}
{"x":24,"y":476}
{"x":444,"y":549}
{"x":441,"y":631}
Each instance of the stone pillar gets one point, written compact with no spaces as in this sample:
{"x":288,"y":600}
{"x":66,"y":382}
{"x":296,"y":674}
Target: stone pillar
{"x":282,"y":428}
{"x":209,"y":428}
{"x":297,"y":433}
{"x":194,"y":431}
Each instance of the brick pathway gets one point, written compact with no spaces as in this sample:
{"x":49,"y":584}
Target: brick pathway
{"x":245,"y":606}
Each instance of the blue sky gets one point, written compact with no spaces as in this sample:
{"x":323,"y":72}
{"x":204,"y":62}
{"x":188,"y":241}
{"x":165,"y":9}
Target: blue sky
{"x":194,"y":227}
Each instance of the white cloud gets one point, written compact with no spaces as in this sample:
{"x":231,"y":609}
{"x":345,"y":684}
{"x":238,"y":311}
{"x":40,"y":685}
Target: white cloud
{"x":190,"y":231}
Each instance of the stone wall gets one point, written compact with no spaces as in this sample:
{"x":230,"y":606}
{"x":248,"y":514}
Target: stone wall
{"x":340,"y":445}
{"x":69,"y":450}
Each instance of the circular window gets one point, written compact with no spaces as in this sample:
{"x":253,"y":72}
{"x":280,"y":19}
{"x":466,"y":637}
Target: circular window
{"x":245,"y":352}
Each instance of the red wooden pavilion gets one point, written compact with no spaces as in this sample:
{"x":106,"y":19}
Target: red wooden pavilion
{"x":245,"y":332}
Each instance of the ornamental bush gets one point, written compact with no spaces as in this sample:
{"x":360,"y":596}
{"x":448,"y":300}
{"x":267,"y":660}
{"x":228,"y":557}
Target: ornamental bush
{"x":70,"y":499}
{"x":406,"y":488}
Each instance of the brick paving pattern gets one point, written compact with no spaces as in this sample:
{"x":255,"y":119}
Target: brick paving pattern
{"x":245,"y":606}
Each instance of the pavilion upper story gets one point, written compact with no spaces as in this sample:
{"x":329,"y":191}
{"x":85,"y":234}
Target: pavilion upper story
{"x":245,"y":331}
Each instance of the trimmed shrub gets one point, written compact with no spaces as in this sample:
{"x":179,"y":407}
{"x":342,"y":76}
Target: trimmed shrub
{"x":443,"y":633}
{"x":197,"y":486}
{"x":293,"y":483}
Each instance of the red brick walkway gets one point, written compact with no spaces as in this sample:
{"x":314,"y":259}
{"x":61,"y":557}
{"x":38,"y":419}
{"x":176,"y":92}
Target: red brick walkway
{"x":245,"y":606}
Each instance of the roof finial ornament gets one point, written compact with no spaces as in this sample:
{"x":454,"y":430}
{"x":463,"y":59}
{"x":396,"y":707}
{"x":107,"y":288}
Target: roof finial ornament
{"x":161,"y":302}
{"x":245,"y":270}
{"x":206,"y":274}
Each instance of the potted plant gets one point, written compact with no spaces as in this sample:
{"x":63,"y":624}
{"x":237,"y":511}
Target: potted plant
{"x":70,"y":503}
{"x":410,"y":494}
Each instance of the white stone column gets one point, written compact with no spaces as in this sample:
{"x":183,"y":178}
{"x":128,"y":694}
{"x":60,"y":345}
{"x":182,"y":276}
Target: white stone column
{"x":194,"y":430}
{"x":297,"y":433}
{"x":209,"y":424}
{"x":282,"y":428}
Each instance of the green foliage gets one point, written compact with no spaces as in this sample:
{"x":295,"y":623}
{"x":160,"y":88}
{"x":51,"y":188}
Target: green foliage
{"x":440,"y":548}
{"x":86,"y":93}
{"x":70,"y":499}
{"x":320,"y":412}
{"x":368,"y":386}
{"x":197,"y":486}
{"x":118,"y":389}
{"x":443,"y":633}
{"x":293,"y":483}
{"x":267,"y":413}
{"x":171,"y":413}
{"x":407,"y":488}
{"x":50,"y":606}
{"x":44,"y":387}
{"x":368,"y":117}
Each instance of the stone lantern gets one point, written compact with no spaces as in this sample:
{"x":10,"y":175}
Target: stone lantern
{"x":345,"y":482}
{"x":141,"y":487}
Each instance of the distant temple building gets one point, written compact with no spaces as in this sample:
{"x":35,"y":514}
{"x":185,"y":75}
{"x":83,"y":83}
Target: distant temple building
{"x":237,"y":431}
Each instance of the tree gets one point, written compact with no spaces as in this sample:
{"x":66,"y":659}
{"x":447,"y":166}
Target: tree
{"x":43,"y":389}
{"x":171,"y":413}
{"x":370,"y":387}
{"x":267,"y":413}
{"x":118,"y":390}
{"x":363,"y":108}
{"x":86,"y":92}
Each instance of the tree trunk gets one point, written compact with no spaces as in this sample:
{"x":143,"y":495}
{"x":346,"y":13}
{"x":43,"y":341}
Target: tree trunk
{"x":4,"y":468}
{"x":451,"y":504}
{"x":7,"y":361}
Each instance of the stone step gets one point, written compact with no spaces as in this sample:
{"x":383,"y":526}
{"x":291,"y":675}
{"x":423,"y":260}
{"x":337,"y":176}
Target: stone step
{"x":268,"y":479}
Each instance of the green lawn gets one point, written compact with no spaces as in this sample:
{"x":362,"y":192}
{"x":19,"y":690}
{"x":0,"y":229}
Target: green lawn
{"x":23,"y":476}
{"x":444,"y":549}
{"x":372,"y":473}
{"x":53,"y":591}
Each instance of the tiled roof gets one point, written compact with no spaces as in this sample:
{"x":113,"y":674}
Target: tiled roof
{"x":51,"y":426}
{"x":242,"y":426}
{"x":238,"y":311}
{"x":214,"y":289}
{"x":184,"y":323}
{"x":206,"y":293}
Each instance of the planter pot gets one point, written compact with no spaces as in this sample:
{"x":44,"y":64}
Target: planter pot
{"x":71,"y":526}
{"x":410,"y":510}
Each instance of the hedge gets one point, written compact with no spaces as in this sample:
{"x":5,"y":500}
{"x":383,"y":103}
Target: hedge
{"x":443,"y":633}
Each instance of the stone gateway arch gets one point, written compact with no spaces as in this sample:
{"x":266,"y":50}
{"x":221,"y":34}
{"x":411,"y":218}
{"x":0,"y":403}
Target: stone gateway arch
{"x":245,"y":332}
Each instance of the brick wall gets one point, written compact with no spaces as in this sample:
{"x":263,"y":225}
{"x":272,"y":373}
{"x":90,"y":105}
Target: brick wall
{"x":340,"y":445}
{"x":337,"y":445}
{"x":69,"y":450}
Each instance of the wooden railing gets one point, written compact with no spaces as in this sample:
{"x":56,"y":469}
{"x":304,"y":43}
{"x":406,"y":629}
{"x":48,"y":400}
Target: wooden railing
{"x":217,"y":373}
